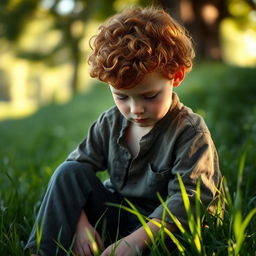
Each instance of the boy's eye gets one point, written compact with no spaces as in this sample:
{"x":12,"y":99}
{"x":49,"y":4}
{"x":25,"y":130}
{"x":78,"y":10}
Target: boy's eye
{"x":121,"y":97}
{"x":150,"y":97}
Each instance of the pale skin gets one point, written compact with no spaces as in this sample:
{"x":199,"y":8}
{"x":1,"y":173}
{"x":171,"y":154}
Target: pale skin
{"x":143,"y":105}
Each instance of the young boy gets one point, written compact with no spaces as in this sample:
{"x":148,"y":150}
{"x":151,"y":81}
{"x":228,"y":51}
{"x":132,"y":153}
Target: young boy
{"x":143,"y":142}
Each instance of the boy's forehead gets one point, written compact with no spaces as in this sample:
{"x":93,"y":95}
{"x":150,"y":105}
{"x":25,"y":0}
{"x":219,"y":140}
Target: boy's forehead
{"x":150,"y":83}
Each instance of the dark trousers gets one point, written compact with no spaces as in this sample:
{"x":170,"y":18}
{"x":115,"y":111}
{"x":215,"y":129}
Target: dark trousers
{"x":73,"y":187}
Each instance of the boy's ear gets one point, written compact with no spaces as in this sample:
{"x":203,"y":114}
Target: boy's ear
{"x":178,"y":77}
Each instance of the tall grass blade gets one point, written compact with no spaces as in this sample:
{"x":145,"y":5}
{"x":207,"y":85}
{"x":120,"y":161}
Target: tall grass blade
{"x":219,"y":210}
{"x":180,"y":247}
{"x":240,"y":227}
{"x":39,"y":232}
{"x":63,"y":248}
{"x":174,"y":219}
{"x":58,"y":239}
{"x":93,"y":243}
{"x":141,"y":218}
{"x":142,"y":221}
{"x":191,"y":220}
{"x":198,"y":207}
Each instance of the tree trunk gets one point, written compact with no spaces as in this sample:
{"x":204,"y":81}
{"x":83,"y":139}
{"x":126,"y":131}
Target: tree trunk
{"x":204,"y":28}
{"x":202,"y":19}
{"x":171,"y":6}
{"x":76,"y":64}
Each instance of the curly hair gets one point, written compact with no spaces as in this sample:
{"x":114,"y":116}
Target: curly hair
{"x":136,"y":42}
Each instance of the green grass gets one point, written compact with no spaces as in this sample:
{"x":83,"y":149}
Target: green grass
{"x":31,"y":149}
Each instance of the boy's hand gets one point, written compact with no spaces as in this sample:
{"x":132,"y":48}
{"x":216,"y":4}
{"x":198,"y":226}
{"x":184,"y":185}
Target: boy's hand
{"x":124,"y":247}
{"x":136,"y":242}
{"x":83,"y":244}
{"x":129,"y":245}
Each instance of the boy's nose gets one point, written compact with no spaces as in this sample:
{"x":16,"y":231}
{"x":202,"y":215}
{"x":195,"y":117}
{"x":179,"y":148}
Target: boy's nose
{"x":136,"y":108}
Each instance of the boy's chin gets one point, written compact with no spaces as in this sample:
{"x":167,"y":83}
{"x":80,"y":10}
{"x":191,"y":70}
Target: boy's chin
{"x":146,"y":123}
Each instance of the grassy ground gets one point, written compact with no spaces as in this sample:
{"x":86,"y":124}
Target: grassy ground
{"x":31,"y":149}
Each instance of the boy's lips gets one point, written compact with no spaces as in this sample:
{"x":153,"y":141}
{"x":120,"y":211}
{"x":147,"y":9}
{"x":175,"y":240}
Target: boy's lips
{"x":140,"y":120}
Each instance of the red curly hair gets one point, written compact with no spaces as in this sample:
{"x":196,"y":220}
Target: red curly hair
{"x":136,"y":42}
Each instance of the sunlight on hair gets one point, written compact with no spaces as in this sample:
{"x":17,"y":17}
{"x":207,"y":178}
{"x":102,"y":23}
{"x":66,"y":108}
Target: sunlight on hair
{"x":125,"y":49}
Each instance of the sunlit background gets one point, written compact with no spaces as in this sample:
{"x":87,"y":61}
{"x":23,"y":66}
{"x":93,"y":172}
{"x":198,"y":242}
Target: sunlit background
{"x":44,"y":44}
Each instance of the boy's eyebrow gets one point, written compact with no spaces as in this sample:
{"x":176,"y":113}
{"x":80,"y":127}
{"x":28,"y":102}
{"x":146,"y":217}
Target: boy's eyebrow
{"x":118,"y":93}
{"x":149,"y":92}
{"x":143,"y":93}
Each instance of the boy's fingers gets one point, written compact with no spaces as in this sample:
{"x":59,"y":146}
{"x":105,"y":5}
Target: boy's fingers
{"x":87,"y":251}
{"x":106,"y":252}
{"x":80,"y":251}
{"x":99,"y":241}
{"x":83,"y":250}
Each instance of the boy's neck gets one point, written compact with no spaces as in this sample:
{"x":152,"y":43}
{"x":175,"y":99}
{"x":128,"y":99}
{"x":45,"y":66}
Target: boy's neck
{"x":141,"y":129}
{"x":133,"y":137}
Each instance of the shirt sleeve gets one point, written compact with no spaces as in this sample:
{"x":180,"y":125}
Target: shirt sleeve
{"x":195,"y":156}
{"x":93,"y":149}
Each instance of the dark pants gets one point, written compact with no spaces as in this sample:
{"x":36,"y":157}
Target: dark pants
{"x":73,"y":187}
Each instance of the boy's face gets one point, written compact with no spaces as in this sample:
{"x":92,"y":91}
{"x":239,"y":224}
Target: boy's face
{"x":146,"y":103}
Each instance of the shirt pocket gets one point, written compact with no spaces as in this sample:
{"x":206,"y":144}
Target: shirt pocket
{"x":157,"y":180}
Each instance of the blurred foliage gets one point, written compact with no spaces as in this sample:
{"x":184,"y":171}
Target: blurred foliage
{"x":14,"y":15}
{"x":70,"y":16}
{"x":241,"y":8}
{"x":243,"y":13}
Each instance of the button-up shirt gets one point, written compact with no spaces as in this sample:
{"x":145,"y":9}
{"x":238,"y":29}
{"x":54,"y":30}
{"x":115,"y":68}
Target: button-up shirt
{"x":179,"y":143}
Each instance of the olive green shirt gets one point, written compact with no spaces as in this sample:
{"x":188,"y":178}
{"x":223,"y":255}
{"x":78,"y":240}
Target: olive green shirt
{"x":179,"y":143}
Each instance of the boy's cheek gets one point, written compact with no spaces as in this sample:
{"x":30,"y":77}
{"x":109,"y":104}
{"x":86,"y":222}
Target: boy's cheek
{"x":123,"y":109}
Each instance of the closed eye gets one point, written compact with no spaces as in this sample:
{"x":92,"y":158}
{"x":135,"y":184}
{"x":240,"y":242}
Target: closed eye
{"x":121,"y":97}
{"x":151,"y":97}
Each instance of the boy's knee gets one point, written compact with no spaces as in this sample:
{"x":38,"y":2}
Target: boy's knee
{"x":71,"y":170}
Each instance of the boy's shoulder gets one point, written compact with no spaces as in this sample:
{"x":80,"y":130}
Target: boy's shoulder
{"x":194,"y":120}
{"x":186,"y":118}
{"x":110,"y":117}
{"x":111,"y":113}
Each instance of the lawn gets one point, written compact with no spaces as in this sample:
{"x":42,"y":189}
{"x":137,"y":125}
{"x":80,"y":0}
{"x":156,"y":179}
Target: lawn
{"x":31,"y":148}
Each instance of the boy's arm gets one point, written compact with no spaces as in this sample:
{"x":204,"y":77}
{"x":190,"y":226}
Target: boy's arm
{"x":83,"y":244}
{"x":196,"y":157}
{"x":92,"y":149}
{"x":138,"y":239}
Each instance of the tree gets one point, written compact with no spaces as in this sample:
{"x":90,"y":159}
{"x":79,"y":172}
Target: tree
{"x":202,"y":19}
{"x":15,"y":15}
{"x":72,"y":26}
